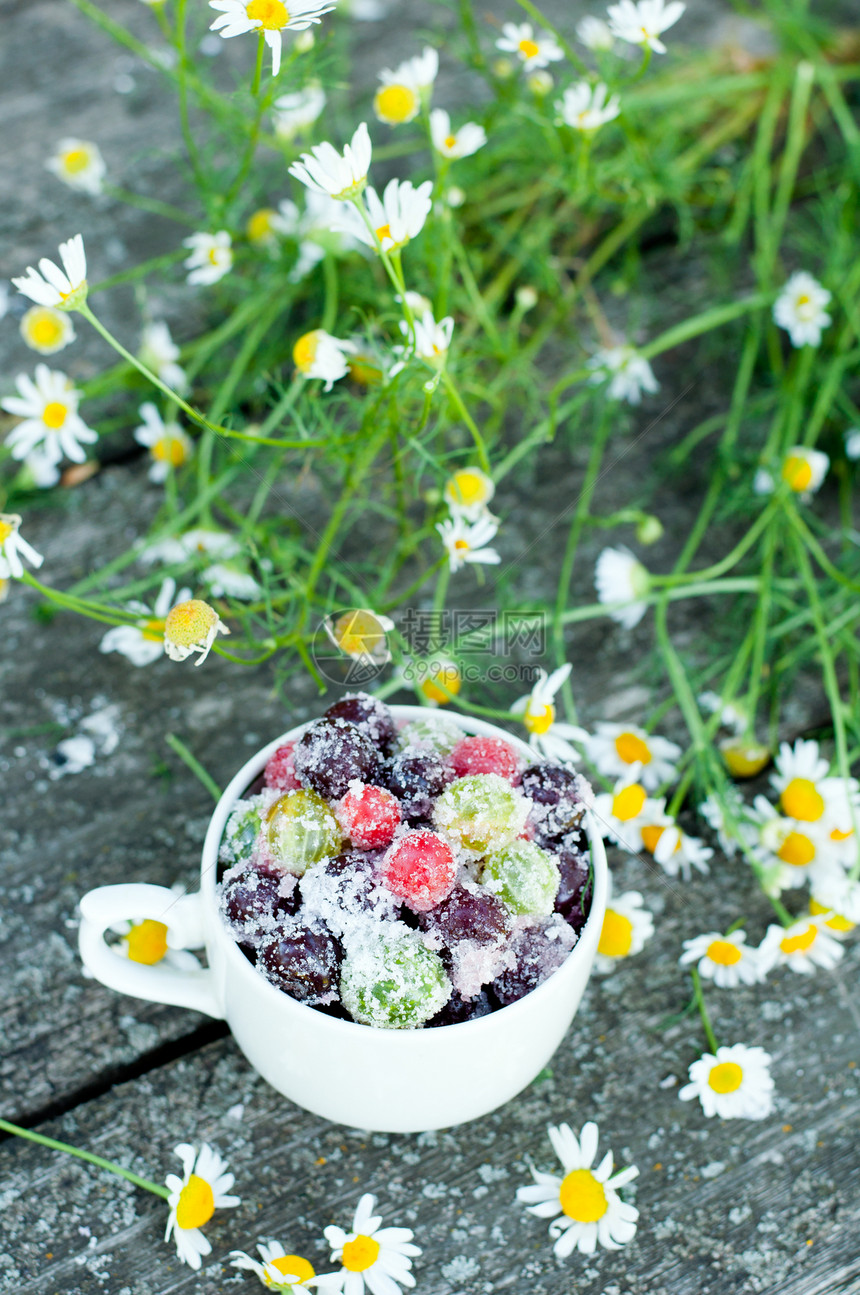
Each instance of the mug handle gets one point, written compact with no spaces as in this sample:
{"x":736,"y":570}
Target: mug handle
{"x":161,"y":983}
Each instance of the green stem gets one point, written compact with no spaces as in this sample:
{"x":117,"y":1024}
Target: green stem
{"x":194,"y":765}
{"x":453,"y":392}
{"x":156,"y":1188}
{"x":703,"y":1011}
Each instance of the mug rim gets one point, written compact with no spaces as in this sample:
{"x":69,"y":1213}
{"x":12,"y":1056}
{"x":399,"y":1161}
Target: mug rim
{"x":284,"y":1002}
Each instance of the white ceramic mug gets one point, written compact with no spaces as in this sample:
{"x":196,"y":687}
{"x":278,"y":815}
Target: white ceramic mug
{"x":392,"y":1081}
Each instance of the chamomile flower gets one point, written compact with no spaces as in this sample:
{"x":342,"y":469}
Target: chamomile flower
{"x":227,"y":580}
{"x":790,"y":849}
{"x":361,"y":634}
{"x":537,"y":712}
{"x":468,"y":492}
{"x":13,"y":547}
{"x":439,"y":679}
{"x":799,"y":309}
{"x":432,"y":338}
{"x":627,"y":372}
{"x":293,"y":112}
{"x":467,"y":543}
{"x":802,"y":470}
{"x":143,"y":642}
{"x":372,"y":1257}
{"x":276,"y":1269}
{"x":808,"y":793}
{"x":194,"y":1198}
{"x":455,"y":143}
{"x":46,"y":330}
{"x":79,"y":164}
{"x":317,"y":230}
{"x":585,"y":107}
{"x":271,"y":17}
{"x":801,"y":947}
{"x":190,"y":627}
{"x":42,"y":469}
{"x":340,"y":175}
{"x":401,"y":91}
{"x":619,"y":813}
{"x":614,"y":748}
{"x":211,"y":257}
{"x":675,"y":851}
{"x":734,"y":1083}
{"x":199,"y":542}
{"x":169,"y":447}
{"x":622,"y":583}
{"x":594,"y":33}
{"x":584,"y":1205}
{"x":836,"y":898}
{"x":643,"y":23}
{"x":147,"y":942}
{"x":395,"y":218}
{"x":727,"y":960}
{"x":65,"y":289}
{"x":51,"y":425}
{"x":532,"y":50}
{"x":159,"y":352}
{"x":319,"y":355}
{"x":627,"y":925}
{"x":732,"y":716}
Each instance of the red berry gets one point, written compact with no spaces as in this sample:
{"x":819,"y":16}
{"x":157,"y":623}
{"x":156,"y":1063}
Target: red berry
{"x":280,"y":772}
{"x":369,"y":815}
{"x":485,"y":755}
{"x":420,"y":869}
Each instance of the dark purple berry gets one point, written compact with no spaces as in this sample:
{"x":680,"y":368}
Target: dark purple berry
{"x":468,"y":915}
{"x":251,"y":901}
{"x":458,"y":1009}
{"x":537,"y":952}
{"x":417,"y":778}
{"x":557,"y":804}
{"x":368,"y":714}
{"x":333,"y":753}
{"x":301,"y":962}
{"x":573,"y":868}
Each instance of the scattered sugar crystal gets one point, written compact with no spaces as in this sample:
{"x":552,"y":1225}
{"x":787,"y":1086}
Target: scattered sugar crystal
{"x":343,"y":894}
{"x":389,"y":979}
{"x":440,"y":736}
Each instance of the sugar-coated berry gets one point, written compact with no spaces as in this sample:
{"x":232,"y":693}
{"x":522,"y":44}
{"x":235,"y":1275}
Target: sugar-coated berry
{"x":485,"y":755}
{"x":280,"y":773}
{"x":459,"y":1009}
{"x":392,"y":981}
{"x":524,"y":876}
{"x":439,"y":736}
{"x":333,"y":753}
{"x":252,"y":901}
{"x":300,"y":829}
{"x":345,"y":892}
{"x":420,"y":869}
{"x":481,"y":811}
{"x":302,"y":962}
{"x":536,"y":952}
{"x":369,"y":714}
{"x":573,"y":900}
{"x":369,"y":816}
{"x":555,"y":791}
{"x":416,"y":778}
{"x":468,"y":914}
{"x":240,"y":834}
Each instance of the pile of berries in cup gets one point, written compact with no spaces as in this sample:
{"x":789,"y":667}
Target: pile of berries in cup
{"x":405,"y":878}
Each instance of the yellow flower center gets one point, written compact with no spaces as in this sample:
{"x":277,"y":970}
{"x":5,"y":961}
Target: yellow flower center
{"x":803,"y":299}
{"x":724,"y":953}
{"x":395,"y":104}
{"x":799,"y":943}
{"x":153,"y":630}
{"x":631,"y":749}
{"x":529,"y":48}
{"x":802,"y":800}
{"x":582,"y":1197}
{"x":651,"y":837}
{"x":44,"y":327}
{"x":448,"y":677}
{"x":358,"y":634}
{"x":744,"y":759}
{"x":450,"y":141}
{"x":76,"y":160}
{"x":629,"y":802}
{"x":797,"y":849}
{"x":189,"y":623}
{"x":54,"y":414}
{"x":196,"y":1203}
{"x":384,"y":231}
{"x":836,"y":922}
{"x":797,"y":472}
{"x":259,"y":226}
{"x":305,"y":350}
{"x":169,"y":449}
{"x":147,"y":942}
{"x":360,"y":1254}
{"x":6,"y":529}
{"x":468,"y":488}
{"x":462,"y":545}
{"x":270,"y":14}
{"x":727,"y":1077}
{"x":540,"y":721}
{"x":616,"y":936}
{"x":294,"y":1266}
